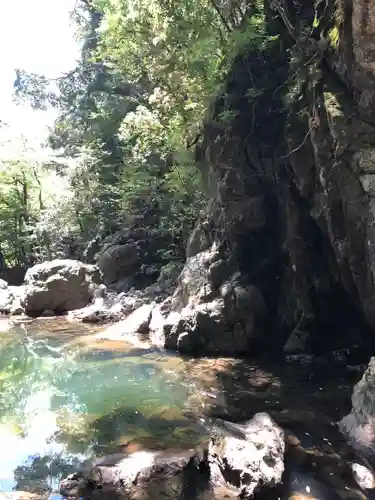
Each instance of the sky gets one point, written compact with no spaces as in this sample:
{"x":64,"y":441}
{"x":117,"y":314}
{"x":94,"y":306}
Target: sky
{"x":35,"y":35}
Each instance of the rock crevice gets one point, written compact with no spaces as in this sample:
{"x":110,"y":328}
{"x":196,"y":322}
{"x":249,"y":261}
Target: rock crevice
{"x":291,"y":180}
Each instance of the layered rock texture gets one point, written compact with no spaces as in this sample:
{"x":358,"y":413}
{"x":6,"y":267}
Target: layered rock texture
{"x":283,"y":259}
{"x":291,"y":177}
{"x":131,"y":257}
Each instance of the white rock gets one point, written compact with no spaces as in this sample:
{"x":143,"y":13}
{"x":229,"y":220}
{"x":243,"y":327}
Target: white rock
{"x":363,"y":476}
{"x":136,"y":323}
{"x":250,"y":458}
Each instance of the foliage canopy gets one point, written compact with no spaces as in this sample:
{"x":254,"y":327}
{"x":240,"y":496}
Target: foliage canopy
{"x":129,"y":116}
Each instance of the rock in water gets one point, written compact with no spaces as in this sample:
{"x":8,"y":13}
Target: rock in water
{"x":136,"y":323}
{"x":143,"y":475}
{"x":240,"y":461}
{"x":59,"y":286}
{"x":363,"y":476}
{"x":359,"y":425}
{"x":248,"y":459}
{"x":212,"y":310}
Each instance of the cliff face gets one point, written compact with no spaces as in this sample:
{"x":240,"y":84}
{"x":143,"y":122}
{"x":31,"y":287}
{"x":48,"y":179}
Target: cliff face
{"x":292,"y":174}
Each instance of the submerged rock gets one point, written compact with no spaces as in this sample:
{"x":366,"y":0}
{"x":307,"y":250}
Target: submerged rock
{"x":60,"y":286}
{"x":301,"y":486}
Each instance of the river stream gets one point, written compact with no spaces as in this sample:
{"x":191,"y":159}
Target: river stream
{"x":68,"y":396}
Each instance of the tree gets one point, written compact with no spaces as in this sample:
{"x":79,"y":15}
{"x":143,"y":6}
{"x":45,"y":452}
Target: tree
{"x":132,"y":109}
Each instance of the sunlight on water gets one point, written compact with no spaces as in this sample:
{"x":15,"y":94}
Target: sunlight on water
{"x":66,"y":396}
{"x":63,"y":402}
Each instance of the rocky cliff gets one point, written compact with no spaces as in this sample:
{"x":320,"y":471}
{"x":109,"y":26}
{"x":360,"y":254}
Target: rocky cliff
{"x":291,"y":174}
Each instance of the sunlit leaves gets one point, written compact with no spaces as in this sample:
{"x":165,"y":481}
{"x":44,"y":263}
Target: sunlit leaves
{"x":34,"y":89}
{"x":131,"y":111}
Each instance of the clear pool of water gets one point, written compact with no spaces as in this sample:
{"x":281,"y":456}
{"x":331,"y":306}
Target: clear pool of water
{"x":66,"y":396}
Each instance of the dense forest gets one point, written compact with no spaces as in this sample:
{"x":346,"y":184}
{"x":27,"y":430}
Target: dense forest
{"x":130,"y":115}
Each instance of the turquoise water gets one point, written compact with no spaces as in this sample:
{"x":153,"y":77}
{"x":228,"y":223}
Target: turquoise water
{"x":65,"y":397}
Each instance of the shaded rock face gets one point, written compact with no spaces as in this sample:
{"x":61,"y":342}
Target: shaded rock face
{"x":132,"y":256}
{"x":359,"y":425}
{"x":291,"y":178}
{"x":240,"y":461}
{"x":14,"y":276}
{"x":212,"y":309}
{"x":59,"y":286}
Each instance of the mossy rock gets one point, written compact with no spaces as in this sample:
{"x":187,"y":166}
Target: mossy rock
{"x":186,"y":435}
{"x":166,"y":413}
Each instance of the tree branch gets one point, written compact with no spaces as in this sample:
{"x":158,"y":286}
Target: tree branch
{"x":221,"y":15}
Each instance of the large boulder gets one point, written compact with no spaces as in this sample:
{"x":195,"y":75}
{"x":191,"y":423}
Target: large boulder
{"x":248,"y":457}
{"x":59,"y":286}
{"x":116,"y":261}
{"x":238,"y":462}
{"x":133,"y":257}
{"x":212,"y":310}
{"x":143,"y":475}
{"x":359,"y":425}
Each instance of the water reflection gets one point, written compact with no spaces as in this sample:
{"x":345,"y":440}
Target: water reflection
{"x":66,"y":396}
{"x":63,"y":401}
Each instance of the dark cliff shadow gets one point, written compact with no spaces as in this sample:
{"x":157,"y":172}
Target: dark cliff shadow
{"x":305,"y":398}
{"x":306,"y":401}
{"x":14,"y":276}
